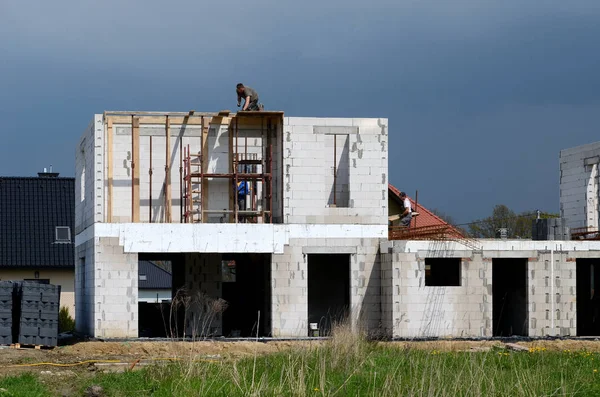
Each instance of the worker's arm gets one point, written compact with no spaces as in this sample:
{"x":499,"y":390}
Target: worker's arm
{"x":239,"y":98}
{"x":246,"y":102}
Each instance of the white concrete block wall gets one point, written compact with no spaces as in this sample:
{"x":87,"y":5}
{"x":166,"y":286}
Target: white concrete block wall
{"x":203,"y":285}
{"x":289,"y":293}
{"x":86,"y":182}
{"x":307,"y":167}
{"x":122,"y":173}
{"x":289,"y":284}
{"x":387,"y":293}
{"x":552,"y":295}
{"x":84,"y":287}
{"x":574,"y":179}
{"x":115,"y":283}
{"x":467,"y":310}
{"x":421,"y":311}
{"x":365,"y":284}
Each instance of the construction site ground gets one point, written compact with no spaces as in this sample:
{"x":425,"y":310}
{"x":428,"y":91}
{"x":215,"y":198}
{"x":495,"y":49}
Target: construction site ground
{"x":120,"y":356}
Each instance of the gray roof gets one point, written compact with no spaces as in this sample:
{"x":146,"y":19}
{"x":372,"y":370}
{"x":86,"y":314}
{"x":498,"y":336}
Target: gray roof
{"x":30,"y":210}
{"x":156,"y":277}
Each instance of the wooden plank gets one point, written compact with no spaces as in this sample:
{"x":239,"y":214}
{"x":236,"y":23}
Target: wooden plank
{"x":255,"y":114}
{"x":181,"y":120}
{"x":135,"y":113}
{"x":135,"y":174}
{"x":232,"y":201}
{"x":109,"y":171}
{"x":168,"y":201}
{"x":205,"y":167}
{"x":224,"y":113}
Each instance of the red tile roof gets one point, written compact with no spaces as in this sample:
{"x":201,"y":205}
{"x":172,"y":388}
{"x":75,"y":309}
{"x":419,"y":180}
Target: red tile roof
{"x":425,"y":217}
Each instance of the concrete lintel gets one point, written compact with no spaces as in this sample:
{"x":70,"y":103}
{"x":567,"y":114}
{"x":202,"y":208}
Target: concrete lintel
{"x":386,"y":247}
{"x":591,"y":160}
{"x":328,"y":250}
{"x":222,"y":237}
{"x":510,"y":254}
{"x":421,"y":254}
{"x":334,"y":130}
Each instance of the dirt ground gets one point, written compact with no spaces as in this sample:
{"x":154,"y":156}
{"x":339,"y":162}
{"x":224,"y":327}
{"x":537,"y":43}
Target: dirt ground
{"x":124,"y":354}
{"x":96,"y":354}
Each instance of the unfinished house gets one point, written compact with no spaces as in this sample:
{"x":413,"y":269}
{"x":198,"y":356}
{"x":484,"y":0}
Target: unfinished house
{"x":438,"y":283}
{"x":453,"y":287}
{"x":268,"y":223}
{"x":273,"y":226}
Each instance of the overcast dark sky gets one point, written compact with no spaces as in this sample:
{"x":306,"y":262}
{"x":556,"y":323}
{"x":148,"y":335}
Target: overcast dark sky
{"x":480,"y":95}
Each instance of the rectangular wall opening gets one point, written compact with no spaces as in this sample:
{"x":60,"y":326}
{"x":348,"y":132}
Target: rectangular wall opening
{"x":338,"y":158}
{"x":328,"y":290}
{"x":588,"y":301}
{"x":247,"y":290}
{"x":509,"y":297}
{"x":156,"y":319}
{"x":442,"y":272}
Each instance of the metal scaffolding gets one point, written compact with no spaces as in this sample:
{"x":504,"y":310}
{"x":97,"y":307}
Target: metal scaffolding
{"x":255,"y":170}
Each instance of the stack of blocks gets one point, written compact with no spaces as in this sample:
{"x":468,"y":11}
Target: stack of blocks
{"x":39,"y":310}
{"x":6,"y":312}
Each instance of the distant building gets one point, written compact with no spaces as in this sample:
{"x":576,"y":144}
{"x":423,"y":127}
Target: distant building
{"x":36,"y":232}
{"x":154,"y":282}
{"x":579,"y":186}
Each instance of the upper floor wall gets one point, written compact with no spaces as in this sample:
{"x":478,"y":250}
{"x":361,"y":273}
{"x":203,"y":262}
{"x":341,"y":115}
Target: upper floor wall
{"x":180,"y":167}
{"x":335,"y":171}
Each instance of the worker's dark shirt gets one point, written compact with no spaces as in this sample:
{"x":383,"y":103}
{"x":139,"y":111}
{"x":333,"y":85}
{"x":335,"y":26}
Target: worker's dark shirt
{"x":248,"y":92}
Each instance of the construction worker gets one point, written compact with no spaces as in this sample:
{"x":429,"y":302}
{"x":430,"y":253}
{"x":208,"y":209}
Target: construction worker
{"x":242,"y":191}
{"x":406,"y":216}
{"x":250,"y":97}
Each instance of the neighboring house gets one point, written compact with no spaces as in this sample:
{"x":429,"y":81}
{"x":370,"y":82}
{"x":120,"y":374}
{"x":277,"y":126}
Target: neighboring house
{"x":36,"y":232}
{"x":425,"y":217}
{"x":154,"y":282}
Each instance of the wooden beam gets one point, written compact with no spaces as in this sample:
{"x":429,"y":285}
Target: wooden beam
{"x":187,"y":120}
{"x":168,"y":171}
{"x":232,"y":201}
{"x":204,"y":186}
{"x":135,"y":169}
{"x":109,"y":170}
{"x":136,"y":113}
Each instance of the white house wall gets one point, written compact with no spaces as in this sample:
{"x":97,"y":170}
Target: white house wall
{"x":579,"y":185}
{"x":410,"y":309}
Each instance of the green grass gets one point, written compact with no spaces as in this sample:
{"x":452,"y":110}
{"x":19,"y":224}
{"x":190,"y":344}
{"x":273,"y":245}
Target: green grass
{"x":349,"y":368}
{"x":26,"y":385}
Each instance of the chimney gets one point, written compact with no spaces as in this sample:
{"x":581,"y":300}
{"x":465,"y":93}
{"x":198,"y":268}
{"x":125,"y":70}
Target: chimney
{"x":47,"y":174}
